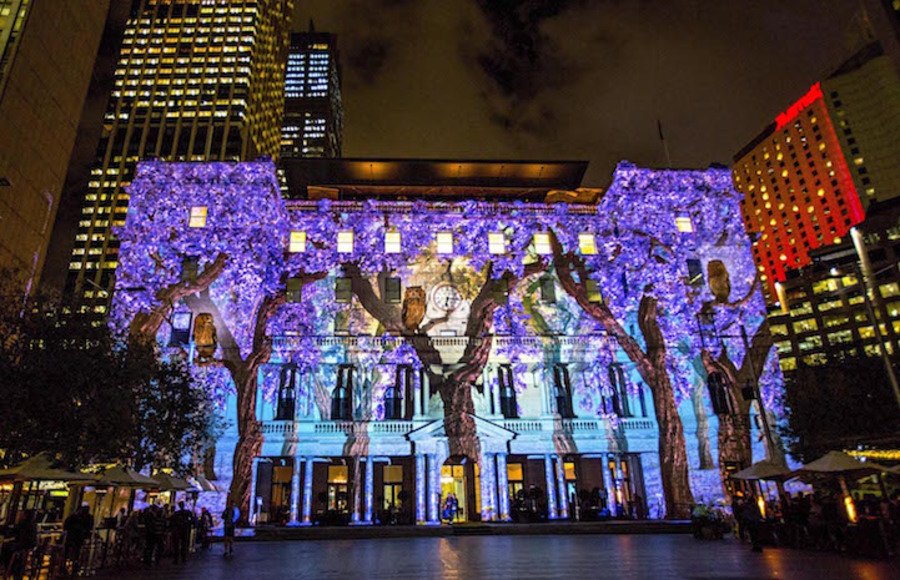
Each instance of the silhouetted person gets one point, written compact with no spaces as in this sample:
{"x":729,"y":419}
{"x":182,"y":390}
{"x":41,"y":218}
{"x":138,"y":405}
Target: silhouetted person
{"x":181,"y":533}
{"x":25,"y":539}
{"x":78,"y":528}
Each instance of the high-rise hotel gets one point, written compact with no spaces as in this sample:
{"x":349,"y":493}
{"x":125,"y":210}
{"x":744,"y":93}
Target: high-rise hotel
{"x":196,"y":81}
{"x":313,"y":114}
{"x":808,"y":177}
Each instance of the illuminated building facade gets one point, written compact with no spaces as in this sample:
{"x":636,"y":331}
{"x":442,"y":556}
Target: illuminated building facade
{"x":195,"y":80}
{"x":824,"y":315}
{"x":313,"y":114}
{"x":398,"y":341}
{"x":47,"y":52}
{"x":808,"y":177}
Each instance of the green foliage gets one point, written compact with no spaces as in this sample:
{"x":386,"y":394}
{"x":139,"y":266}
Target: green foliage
{"x":839,"y":405}
{"x":69,"y":388}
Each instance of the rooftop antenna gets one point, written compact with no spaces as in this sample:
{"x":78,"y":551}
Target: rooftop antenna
{"x":312,"y":25}
{"x":665,"y":145}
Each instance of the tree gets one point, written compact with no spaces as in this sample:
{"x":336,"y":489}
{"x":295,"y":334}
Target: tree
{"x":839,"y":405}
{"x":72,"y":390}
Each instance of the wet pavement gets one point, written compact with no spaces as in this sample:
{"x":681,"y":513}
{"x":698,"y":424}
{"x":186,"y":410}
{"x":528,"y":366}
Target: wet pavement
{"x":518,"y":557}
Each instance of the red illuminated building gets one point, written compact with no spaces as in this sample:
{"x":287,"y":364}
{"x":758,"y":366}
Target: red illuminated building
{"x":809,"y":175}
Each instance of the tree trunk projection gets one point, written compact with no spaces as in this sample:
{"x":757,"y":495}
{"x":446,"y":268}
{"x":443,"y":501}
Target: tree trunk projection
{"x":651,"y":365}
{"x":455,"y":387}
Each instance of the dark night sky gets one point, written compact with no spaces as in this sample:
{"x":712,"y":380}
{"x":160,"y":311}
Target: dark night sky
{"x":576,"y":79}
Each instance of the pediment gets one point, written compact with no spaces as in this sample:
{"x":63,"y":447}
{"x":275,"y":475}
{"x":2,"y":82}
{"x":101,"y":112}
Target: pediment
{"x":484,"y":429}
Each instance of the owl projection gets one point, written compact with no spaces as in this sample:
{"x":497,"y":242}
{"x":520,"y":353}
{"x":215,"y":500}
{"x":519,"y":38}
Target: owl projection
{"x":413,"y":307}
{"x":205,"y":339}
{"x":719,"y":282}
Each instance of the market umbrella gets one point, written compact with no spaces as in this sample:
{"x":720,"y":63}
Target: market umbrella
{"x":123,"y":476}
{"x":838,"y":462}
{"x":171,"y":483}
{"x":204,"y":484}
{"x":763,"y":470}
{"x":40,"y":468}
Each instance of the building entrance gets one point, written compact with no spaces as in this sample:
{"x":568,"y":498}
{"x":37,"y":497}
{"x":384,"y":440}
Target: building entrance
{"x":453,"y":493}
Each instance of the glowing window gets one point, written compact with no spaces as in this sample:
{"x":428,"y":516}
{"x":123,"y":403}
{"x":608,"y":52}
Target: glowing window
{"x":198,"y":217}
{"x":684,"y":223}
{"x":542,"y":244}
{"x":445,"y":243}
{"x":496,"y":243}
{"x":298,"y":242}
{"x":345,"y":242}
{"x":587,"y":244}
{"x":392,"y":242}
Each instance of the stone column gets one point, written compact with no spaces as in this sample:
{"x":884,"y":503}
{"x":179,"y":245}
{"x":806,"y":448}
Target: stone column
{"x":546,"y":409}
{"x":307,"y":491}
{"x":417,"y":397}
{"x":609,"y":485}
{"x":252,"y":515}
{"x":502,"y":487}
{"x":421,"y":489}
{"x":495,"y":514}
{"x":434,"y":489}
{"x":370,"y":473}
{"x":551,"y":488}
{"x":487,"y":483}
{"x":295,"y":491}
{"x":561,"y":487}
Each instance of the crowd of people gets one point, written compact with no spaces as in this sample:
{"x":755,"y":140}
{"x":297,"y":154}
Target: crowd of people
{"x":817,"y":521}
{"x":144,"y":536}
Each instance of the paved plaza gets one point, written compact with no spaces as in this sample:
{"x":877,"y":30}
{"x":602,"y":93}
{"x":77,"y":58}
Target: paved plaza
{"x":515,"y":557}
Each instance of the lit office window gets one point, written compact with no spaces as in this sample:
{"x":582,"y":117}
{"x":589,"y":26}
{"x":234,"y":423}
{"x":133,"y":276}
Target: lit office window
{"x":198,"y":217}
{"x":496,"y":243}
{"x":445,"y":243}
{"x":587,"y":244}
{"x":297,"y":243}
{"x":684,"y":223}
{"x":542,"y":244}
{"x":392,"y":242}
{"x":345,"y":242}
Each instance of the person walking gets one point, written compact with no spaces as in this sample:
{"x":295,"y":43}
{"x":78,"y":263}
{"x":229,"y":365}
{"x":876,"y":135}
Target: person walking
{"x":205,"y":528}
{"x":229,"y":519}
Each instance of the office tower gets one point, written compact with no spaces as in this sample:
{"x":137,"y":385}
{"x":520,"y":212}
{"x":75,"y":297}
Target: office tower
{"x":808,"y":177}
{"x":47,"y":52}
{"x":313,"y":115}
{"x":195,"y":81}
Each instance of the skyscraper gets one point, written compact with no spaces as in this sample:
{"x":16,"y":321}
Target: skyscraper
{"x":313,"y":115}
{"x":47,"y":52}
{"x":195,"y":81}
{"x":808,"y":177}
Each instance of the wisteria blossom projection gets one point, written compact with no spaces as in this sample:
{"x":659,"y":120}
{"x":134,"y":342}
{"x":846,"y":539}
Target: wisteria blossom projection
{"x":216,"y":239}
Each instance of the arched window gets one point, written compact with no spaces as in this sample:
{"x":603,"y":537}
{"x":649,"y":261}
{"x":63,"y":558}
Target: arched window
{"x":619,"y":389}
{"x":287,"y":393}
{"x":563,"y":391}
{"x":395,"y":395}
{"x":393,"y":403}
{"x":341,"y":396}
{"x":508,"y":405}
{"x":719,"y":394}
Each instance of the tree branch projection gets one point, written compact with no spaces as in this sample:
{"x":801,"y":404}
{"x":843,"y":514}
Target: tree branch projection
{"x":635,"y":256}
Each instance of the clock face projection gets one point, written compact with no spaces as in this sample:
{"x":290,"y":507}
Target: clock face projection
{"x":445,"y":297}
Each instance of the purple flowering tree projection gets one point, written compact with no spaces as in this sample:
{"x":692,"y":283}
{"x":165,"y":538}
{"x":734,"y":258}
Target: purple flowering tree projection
{"x":387,"y":238}
{"x":212,"y":236}
{"x":218,"y":240}
{"x":649,"y":224}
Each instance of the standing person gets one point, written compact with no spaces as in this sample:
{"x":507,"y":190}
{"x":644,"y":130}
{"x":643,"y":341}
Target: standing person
{"x":182,"y":522}
{"x":229,"y":518}
{"x":25,"y":539}
{"x":77,"y":527}
{"x":205,"y":528}
{"x":753,"y":520}
{"x":454,"y":507}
